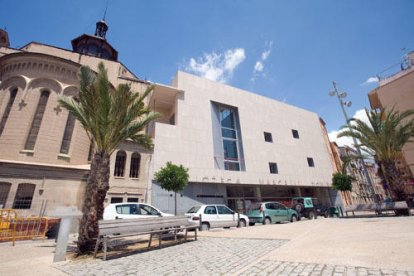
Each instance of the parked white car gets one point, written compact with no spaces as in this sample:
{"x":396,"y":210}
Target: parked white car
{"x":215,"y":216}
{"x":129,"y":210}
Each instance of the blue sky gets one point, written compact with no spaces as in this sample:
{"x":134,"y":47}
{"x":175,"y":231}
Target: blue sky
{"x":290,"y":51}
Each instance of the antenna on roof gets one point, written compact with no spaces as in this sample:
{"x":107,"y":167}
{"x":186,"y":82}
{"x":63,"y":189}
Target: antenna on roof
{"x":106,"y":8}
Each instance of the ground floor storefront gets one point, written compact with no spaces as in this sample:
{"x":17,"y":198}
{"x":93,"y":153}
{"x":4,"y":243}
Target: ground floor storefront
{"x":238,"y":197}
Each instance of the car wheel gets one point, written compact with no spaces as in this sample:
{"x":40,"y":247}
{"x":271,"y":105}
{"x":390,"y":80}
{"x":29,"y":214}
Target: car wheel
{"x":243,"y":223}
{"x":311,"y":215}
{"x":293,"y":218}
{"x":267,"y":221}
{"x":252,"y":223}
{"x":298,"y":207}
{"x":205,"y":226}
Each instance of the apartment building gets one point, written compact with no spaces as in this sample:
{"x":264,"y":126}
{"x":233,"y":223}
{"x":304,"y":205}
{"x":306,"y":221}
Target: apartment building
{"x":396,"y":90}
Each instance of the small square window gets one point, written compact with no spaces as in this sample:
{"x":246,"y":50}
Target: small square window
{"x":273,"y":168}
{"x":268,"y":137}
{"x":310,"y":162}
{"x":295,"y":134}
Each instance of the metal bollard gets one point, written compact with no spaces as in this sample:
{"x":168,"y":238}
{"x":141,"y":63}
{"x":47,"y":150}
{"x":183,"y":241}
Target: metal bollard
{"x":238,"y":220}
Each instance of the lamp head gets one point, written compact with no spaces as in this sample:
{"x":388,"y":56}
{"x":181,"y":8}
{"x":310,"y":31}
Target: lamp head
{"x":331,"y":93}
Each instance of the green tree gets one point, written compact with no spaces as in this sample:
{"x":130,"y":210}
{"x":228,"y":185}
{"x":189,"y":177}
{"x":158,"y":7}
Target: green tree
{"x":384,"y":137}
{"x":109,"y":116}
{"x":172,"y":178}
{"x":342,"y":182}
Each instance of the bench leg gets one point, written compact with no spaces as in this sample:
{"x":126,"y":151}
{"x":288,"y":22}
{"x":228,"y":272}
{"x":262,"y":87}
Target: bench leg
{"x":150,"y":240}
{"x":175,"y":235}
{"x":159,"y":240}
{"x":98,"y":241}
{"x":185,"y":234}
{"x":105,"y":247}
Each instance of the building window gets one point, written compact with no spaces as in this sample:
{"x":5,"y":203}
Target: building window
{"x":295,"y":134}
{"x":310,"y":162}
{"x":120,"y":164}
{"x":268,"y":137}
{"x":24,"y":196}
{"x":132,"y":199}
{"x":273,"y":168}
{"x":37,"y":121}
{"x":116,"y":200}
{"x":6,"y":113}
{"x":67,"y":135}
{"x":4,"y":193}
{"x":230,"y":139}
{"x":134,"y":168}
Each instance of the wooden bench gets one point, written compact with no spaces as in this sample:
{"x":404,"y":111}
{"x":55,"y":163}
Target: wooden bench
{"x":121,"y":228}
{"x":378,"y":208}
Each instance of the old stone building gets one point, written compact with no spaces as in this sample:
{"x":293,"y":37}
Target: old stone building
{"x":44,"y":152}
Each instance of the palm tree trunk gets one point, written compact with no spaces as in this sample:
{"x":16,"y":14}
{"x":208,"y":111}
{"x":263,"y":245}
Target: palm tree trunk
{"x":96,"y":187}
{"x":395,"y":181}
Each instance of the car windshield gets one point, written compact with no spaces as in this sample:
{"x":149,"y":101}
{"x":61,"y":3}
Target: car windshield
{"x":194,"y":209}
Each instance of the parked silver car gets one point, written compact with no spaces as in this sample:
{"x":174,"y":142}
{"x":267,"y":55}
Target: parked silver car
{"x":215,"y":216}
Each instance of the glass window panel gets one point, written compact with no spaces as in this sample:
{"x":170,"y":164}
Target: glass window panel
{"x":227,"y":118}
{"x":230,"y":149}
{"x":210,"y":210}
{"x":223,"y":210}
{"x":116,"y":199}
{"x":228,"y":133}
{"x":231,"y":166}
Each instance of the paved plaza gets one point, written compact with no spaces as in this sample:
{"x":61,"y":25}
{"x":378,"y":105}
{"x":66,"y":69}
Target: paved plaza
{"x":363,"y":246}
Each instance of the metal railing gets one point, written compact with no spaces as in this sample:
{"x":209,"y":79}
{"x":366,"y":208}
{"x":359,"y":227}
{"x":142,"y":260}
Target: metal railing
{"x":13,"y":228}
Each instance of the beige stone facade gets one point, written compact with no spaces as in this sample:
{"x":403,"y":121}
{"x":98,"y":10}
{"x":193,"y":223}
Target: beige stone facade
{"x":47,"y":175}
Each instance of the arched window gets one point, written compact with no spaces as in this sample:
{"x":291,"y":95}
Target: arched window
{"x":4,"y":193}
{"x":24,"y":196}
{"x":37,"y":121}
{"x":67,"y":135}
{"x":134,"y":168}
{"x":120,"y":163}
{"x":6,"y":113}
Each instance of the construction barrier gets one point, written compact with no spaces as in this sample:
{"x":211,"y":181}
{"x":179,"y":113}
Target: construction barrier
{"x":13,"y":228}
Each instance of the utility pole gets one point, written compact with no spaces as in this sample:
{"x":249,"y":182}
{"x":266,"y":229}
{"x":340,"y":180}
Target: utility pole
{"x":342,"y":103}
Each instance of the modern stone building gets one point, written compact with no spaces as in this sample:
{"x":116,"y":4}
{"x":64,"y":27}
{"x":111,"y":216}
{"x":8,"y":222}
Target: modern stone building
{"x":396,"y":90}
{"x":239,"y":147}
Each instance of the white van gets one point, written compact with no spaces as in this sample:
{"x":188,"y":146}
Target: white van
{"x":132,"y":210}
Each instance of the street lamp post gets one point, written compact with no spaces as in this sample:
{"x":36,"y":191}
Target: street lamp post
{"x":342,"y":103}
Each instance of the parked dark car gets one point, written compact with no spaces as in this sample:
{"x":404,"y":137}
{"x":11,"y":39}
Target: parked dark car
{"x":309,"y":207}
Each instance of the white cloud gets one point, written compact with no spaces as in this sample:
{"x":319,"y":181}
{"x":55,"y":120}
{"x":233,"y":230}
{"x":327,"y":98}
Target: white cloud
{"x":217,"y":66}
{"x":258,"y":67}
{"x":370,"y":80}
{"x":266,"y":54}
{"x":348,"y":141}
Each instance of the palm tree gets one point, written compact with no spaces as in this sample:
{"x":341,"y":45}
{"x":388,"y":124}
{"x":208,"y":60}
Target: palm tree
{"x":109,"y":117}
{"x":384,"y":137}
